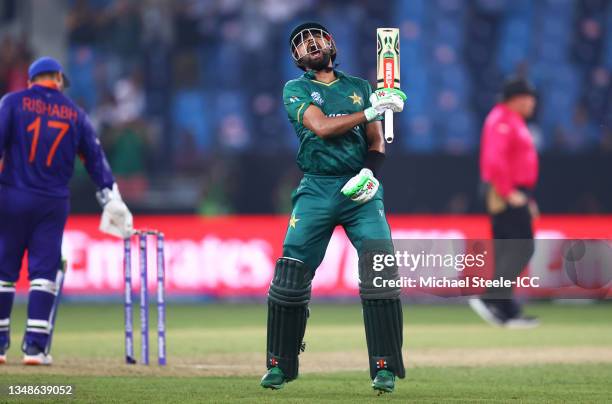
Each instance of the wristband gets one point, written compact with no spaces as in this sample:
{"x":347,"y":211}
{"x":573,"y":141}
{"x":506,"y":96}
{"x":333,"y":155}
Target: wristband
{"x":106,"y":195}
{"x":370,"y":114}
{"x":374,"y":160}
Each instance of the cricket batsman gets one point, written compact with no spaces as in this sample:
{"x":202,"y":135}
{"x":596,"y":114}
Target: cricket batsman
{"x":337,"y":120}
{"x":41,"y":133}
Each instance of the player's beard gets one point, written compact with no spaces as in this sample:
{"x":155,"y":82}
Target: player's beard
{"x":319,"y":64}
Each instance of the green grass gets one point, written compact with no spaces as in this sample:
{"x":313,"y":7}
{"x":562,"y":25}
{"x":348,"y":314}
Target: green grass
{"x":88,"y":351}
{"x":568,"y":383}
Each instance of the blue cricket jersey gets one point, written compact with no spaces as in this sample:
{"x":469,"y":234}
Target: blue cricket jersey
{"x":41,"y":133}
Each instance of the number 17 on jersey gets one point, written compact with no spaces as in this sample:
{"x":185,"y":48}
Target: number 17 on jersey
{"x":388,"y":68}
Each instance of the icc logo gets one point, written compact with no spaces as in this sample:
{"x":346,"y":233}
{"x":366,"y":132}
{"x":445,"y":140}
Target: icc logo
{"x":316,"y":97}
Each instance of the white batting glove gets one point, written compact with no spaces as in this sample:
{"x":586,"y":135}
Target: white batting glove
{"x":384,"y":99}
{"x":362,"y":187}
{"x":116,"y":217}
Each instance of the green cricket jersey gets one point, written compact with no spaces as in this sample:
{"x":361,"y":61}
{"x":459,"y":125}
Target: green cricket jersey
{"x":343,"y":154}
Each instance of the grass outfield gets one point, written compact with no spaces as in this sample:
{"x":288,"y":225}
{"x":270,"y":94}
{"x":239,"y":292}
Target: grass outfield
{"x":215,"y":354}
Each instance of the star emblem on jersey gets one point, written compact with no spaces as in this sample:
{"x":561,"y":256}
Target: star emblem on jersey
{"x":293,"y":221}
{"x":356,"y":99}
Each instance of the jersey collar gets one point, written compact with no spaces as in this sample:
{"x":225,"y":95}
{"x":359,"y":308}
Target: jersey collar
{"x":513,"y":114}
{"x":46,"y":84}
{"x":311,"y":76}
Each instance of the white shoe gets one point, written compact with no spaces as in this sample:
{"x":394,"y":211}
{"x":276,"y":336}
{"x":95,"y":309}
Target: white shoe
{"x":33,"y":356}
{"x":37,"y":360}
{"x":485,"y":312}
{"x":522,"y":323}
{"x":2,"y":359}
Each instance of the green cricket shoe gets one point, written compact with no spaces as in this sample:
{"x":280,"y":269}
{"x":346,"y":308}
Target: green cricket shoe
{"x":384,"y":381}
{"x":273,"y":379}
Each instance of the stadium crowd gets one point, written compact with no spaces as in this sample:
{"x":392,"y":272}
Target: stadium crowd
{"x":186,"y":87}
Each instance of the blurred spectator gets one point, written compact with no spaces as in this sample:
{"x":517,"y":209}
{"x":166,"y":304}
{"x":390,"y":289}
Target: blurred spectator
{"x":120,"y":25}
{"x":217,"y":189}
{"x":130,"y":98}
{"x":190,"y":23}
{"x":187,"y":158}
{"x":81,"y":24}
{"x":125,"y":134}
{"x":582,"y":134}
{"x":15,"y":57}
{"x":126,"y":155}
{"x":104,"y":116}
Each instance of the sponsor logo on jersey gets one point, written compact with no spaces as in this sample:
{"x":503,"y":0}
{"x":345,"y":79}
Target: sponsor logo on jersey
{"x":316,"y":97}
{"x":341,"y":114}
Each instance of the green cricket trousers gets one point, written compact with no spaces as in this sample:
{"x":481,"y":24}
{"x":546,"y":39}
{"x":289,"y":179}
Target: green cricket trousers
{"x":318,"y":207}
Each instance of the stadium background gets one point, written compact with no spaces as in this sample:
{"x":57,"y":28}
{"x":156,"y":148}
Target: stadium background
{"x":186,"y":96}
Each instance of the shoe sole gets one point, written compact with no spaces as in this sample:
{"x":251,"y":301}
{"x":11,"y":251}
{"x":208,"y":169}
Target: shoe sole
{"x":36,"y":361}
{"x":521,"y":325}
{"x":383,"y":389}
{"x":273,"y":386}
{"x":483,"y":312}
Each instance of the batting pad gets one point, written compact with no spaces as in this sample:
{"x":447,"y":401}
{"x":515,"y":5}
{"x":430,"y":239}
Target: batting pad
{"x":288,"y":300}
{"x":383,"y":321}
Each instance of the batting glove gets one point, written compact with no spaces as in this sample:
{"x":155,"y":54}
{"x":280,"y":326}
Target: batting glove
{"x":362,"y":187}
{"x":384,"y":99}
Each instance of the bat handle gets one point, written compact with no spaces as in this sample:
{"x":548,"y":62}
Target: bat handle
{"x":389,"y":126}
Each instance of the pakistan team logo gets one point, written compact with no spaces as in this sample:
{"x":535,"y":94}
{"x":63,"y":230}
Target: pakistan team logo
{"x":316,"y":97}
{"x":293,"y":99}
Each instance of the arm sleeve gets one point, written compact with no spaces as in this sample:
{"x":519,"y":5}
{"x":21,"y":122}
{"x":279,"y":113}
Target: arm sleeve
{"x":366,"y":100}
{"x":5,"y":124}
{"x":296,"y":100}
{"x":495,"y":158}
{"x":93,"y":156}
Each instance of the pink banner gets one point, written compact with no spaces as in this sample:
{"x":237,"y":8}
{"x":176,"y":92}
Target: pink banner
{"x":234,"y":256}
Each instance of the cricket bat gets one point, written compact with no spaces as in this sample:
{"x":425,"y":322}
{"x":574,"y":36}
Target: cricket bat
{"x":388,"y":68}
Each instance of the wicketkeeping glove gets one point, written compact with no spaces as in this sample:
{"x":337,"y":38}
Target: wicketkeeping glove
{"x":383,"y":99}
{"x":362,"y":187}
{"x":116,"y":217}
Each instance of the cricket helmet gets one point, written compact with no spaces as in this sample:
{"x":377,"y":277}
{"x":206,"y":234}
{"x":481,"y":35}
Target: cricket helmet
{"x":310,"y":29}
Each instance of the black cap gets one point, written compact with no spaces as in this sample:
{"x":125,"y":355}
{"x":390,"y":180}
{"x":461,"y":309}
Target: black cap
{"x":514,"y":86}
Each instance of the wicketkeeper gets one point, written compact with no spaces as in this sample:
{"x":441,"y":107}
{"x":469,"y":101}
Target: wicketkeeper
{"x":41,"y":133}
{"x":336,"y":118}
